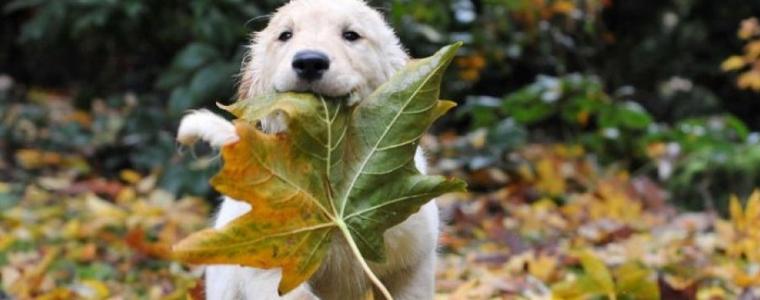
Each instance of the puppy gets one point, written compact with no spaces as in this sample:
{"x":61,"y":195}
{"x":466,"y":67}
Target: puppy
{"x":333,"y":48}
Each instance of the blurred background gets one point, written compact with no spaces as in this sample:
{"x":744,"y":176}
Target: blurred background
{"x":602,"y":141}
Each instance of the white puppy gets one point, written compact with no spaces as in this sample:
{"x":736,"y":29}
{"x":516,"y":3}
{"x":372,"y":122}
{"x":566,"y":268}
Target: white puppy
{"x":333,"y":48}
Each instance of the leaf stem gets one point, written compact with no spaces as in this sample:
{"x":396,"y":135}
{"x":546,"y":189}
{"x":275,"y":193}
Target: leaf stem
{"x":355,"y":249}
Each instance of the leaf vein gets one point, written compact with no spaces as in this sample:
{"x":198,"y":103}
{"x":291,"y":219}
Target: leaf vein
{"x":390,"y":202}
{"x":261,"y":239}
{"x":382,"y":137}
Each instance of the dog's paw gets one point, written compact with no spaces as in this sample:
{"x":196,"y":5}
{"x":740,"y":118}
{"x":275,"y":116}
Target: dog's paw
{"x":206,"y":126}
{"x":277,"y":122}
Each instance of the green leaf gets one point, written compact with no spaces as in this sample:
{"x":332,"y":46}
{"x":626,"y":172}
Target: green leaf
{"x":194,"y":56}
{"x":628,"y":115}
{"x":577,"y":106}
{"x":738,"y":126}
{"x":338,"y":170}
{"x":633,"y":116}
{"x":180,"y":100}
{"x":526,"y":107}
{"x":210,"y":79}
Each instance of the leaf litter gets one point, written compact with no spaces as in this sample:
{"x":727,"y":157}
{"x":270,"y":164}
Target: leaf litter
{"x":584,"y":231}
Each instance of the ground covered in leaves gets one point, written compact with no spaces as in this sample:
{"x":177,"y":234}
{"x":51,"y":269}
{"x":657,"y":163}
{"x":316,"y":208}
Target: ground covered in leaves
{"x":566,"y":228}
{"x":557,"y":225}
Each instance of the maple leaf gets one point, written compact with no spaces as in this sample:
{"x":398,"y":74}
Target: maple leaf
{"x":338,"y":170}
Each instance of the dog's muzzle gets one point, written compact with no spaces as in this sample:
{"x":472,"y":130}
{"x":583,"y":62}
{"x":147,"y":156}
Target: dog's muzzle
{"x":310,"y":65}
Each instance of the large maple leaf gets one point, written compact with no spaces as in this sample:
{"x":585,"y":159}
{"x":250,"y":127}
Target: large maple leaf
{"x":338,"y":169}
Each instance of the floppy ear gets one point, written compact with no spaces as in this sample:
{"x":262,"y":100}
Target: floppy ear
{"x":246,"y":74}
{"x":252,"y":82}
{"x":398,"y":58}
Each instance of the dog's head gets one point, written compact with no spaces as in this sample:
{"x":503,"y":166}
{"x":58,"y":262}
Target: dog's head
{"x":329,"y":47}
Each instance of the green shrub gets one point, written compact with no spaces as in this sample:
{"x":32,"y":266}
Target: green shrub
{"x":174,"y":55}
{"x":574,"y":107}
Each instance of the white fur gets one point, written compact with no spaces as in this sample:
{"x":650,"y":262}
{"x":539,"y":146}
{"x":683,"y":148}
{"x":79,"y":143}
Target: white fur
{"x":357,"y":68}
{"x":205,"y":125}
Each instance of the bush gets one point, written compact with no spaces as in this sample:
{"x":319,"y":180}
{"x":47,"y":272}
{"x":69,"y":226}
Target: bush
{"x":169,"y":56}
{"x":574,"y":107}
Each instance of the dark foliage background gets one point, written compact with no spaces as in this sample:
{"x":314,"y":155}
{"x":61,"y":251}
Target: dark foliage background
{"x":601,"y":141}
{"x":618,"y":77}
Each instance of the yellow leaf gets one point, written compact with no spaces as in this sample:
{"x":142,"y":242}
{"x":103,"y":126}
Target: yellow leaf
{"x":733,"y":63}
{"x":613,"y":203}
{"x":751,"y":248}
{"x":564,"y":7}
{"x":750,"y":80}
{"x":126,"y":195}
{"x":57,"y":294}
{"x":752,"y":209}
{"x":525,"y":172}
{"x":543,"y":267}
{"x":712,"y":293}
{"x":656,"y":150}
{"x":72,"y":229}
{"x":568,"y":290}
{"x":637,"y":282}
{"x":81,"y":117}
{"x":147,"y":184}
{"x":130,"y":176}
{"x":568,"y":151}
{"x":35,"y":274}
{"x":469,"y":75}
{"x":95,"y":289}
{"x":735,"y":211}
{"x":597,"y":271}
{"x":749,"y":28}
{"x":752,"y":50}
{"x":550,"y":178}
{"x":30,"y":158}
{"x":6,"y":241}
{"x":583,"y":117}
{"x":742,"y":279}
{"x":105,"y":210}
{"x":479,"y":138}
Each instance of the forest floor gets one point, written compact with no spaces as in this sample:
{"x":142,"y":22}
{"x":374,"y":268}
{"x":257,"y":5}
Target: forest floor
{"x":561,"y":227}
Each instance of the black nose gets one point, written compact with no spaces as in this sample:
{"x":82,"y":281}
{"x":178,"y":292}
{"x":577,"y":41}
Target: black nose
{"x":310,"y":65}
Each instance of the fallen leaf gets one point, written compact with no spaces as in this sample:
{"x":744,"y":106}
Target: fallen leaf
{"x":733,"y":63}
{"x":338,"y":170}
{"x":749,"y":28}
{"x":94,"y":289}
{"x":137,"y":240}
{"x":637,"y":282}
{"x":598,"y":273}
{"x":750,"y":80}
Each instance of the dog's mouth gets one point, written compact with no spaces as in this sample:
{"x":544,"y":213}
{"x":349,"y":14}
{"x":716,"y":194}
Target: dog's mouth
{"x":352,"y":95}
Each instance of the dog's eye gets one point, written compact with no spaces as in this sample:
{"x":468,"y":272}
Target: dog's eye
{"x":351,"y":36}
{"x":285,"y":36}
